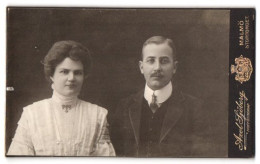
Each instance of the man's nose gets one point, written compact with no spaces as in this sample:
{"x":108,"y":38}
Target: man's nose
{"x":71,"y":76}
{"x":157,"y":65}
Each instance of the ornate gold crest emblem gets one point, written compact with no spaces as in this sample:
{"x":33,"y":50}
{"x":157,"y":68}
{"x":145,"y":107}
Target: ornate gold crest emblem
{"x":243,"y":69}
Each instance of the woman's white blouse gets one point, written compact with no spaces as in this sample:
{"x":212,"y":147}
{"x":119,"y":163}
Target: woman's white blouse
{"x":45,"y":129}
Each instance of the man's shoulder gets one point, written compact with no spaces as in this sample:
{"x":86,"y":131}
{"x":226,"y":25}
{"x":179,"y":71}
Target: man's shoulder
{"x":133,"y":97}
{"x":125,"y":103}
{"x":191,"y":98}
{"x":193,"y":104}
{"x":187,"y":100}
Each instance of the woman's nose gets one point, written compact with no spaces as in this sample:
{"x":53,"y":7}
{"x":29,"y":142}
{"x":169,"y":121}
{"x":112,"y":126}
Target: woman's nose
{"x":71,"y":76}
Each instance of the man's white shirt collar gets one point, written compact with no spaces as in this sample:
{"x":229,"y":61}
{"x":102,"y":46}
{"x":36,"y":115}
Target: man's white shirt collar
{"x":162,"y":94}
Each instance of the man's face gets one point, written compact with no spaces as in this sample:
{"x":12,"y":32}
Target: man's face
{"x":158,"y":65}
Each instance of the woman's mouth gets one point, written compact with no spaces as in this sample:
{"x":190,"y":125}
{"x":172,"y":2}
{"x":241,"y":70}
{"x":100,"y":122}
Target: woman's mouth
{"x":71,"y":86}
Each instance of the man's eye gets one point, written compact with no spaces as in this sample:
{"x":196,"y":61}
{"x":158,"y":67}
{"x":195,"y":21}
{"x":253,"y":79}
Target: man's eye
{"x":78,"y":72}
{"x":165,"y":60}
{"x":150,"y":60}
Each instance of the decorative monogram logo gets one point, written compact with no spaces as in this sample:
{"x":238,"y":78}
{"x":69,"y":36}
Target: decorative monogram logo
{"x":243,"y":69}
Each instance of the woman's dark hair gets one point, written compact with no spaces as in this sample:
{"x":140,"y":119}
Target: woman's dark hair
{"x":63,"y":49}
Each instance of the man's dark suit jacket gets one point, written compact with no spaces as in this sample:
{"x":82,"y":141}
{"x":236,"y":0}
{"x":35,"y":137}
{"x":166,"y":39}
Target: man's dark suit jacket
{"x":185,"y":131}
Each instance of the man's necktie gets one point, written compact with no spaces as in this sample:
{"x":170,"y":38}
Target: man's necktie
{"x":153,"y":105}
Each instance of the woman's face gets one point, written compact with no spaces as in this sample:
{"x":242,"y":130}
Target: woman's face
{"x":68,"y":77}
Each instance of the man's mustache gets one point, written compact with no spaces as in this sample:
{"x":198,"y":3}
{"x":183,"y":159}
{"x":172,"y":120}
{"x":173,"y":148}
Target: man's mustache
{"x":156,"y":74}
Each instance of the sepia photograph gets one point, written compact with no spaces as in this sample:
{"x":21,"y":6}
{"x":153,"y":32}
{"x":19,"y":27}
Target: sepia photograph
{"x":128,"y":82}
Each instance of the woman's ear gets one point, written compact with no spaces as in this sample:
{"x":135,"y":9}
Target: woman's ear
{"x":51,"y":79}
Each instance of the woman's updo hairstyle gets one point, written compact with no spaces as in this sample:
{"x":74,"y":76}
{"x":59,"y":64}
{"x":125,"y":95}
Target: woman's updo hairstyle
{"x":63,"y":49}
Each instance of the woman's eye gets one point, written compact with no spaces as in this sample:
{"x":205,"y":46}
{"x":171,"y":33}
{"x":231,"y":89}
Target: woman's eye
{"x":64,"y":71}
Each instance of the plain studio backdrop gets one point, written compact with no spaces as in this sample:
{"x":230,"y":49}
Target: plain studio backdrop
{"x":114,"y":38}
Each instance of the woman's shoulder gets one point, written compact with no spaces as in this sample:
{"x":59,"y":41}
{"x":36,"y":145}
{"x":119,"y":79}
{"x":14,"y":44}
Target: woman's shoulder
{"x":37,"y":106}
{"x":35,"y":111}
{"x":93,"y":107}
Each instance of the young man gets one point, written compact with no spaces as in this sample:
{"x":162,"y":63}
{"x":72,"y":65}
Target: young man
{"x":160,"y":121}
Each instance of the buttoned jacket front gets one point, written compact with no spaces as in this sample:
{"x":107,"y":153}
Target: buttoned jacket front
{"x":185,"y":131}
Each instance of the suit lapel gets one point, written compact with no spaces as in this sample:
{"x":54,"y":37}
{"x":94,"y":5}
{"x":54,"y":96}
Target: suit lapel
{"x":135,"y":113}
{"x":173,"y":113}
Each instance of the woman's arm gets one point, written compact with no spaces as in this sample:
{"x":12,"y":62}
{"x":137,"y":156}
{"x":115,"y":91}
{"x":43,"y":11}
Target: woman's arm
{"x":103,"y":146}
{"x":22,"y":143}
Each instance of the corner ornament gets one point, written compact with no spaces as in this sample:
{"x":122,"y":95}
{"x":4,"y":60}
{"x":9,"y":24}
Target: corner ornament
{"x":243,"y":69}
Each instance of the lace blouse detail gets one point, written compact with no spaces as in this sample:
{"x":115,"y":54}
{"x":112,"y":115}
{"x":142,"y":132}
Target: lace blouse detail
{"x":46,"y":130}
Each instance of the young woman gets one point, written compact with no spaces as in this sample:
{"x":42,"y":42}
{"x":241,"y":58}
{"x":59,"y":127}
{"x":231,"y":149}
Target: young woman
{"x":63,"y":125}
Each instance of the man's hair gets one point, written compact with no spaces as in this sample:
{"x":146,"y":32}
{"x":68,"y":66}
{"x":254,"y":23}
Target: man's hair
{"x":63,"y":49}
{"x":160,"y":40}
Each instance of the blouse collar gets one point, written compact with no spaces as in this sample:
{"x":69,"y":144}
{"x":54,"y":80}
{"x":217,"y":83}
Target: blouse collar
{"x":64,"y":100}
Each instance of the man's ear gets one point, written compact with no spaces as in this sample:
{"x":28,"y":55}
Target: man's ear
{"x":86,"y":76}
{"x":141,"y":66}
{"x":175,"y":64}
